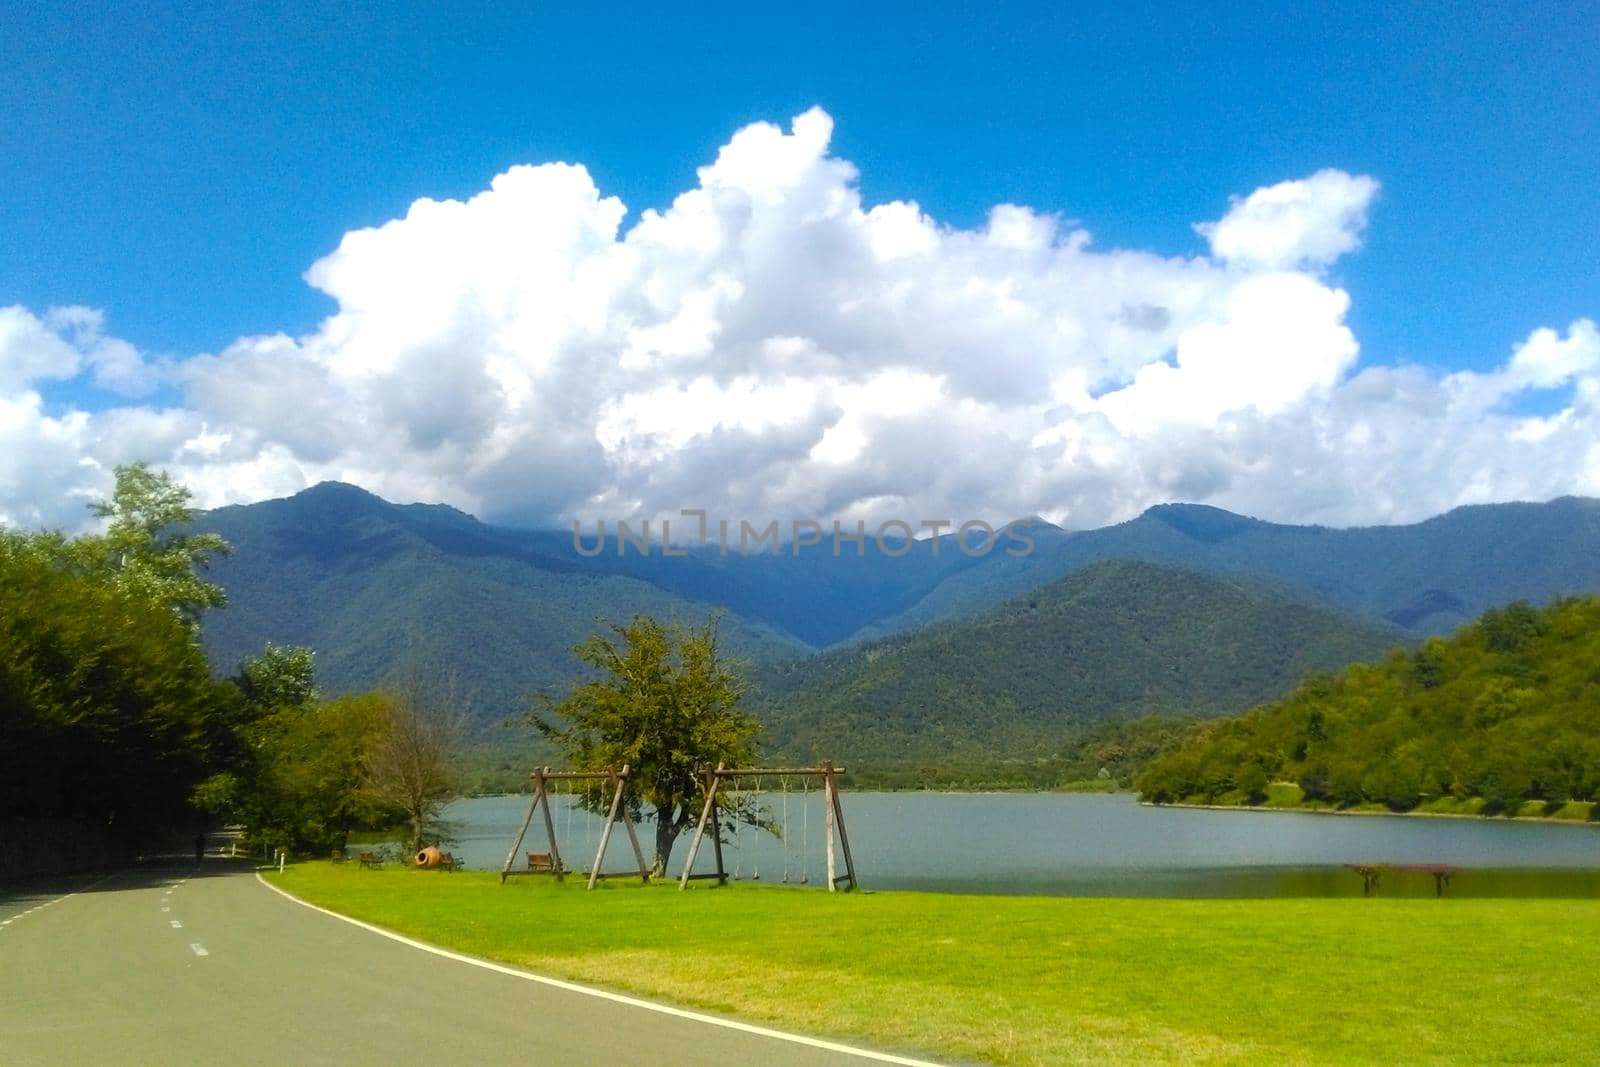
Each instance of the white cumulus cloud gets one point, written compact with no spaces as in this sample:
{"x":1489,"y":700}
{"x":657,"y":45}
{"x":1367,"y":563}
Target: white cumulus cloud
{"x":1310,"y":222}
{"x":769,"y":346}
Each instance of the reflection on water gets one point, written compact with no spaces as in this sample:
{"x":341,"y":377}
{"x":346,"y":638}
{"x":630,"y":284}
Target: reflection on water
{"x":1077,"y":845}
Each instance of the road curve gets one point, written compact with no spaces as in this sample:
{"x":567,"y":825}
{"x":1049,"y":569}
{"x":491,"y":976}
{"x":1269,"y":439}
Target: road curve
{"x":205,"y":964}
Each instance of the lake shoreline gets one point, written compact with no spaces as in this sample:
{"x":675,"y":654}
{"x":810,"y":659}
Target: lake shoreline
{"x":1546,"y":819}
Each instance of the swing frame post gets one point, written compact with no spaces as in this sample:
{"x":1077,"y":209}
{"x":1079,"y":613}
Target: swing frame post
{"x":619,"y":783}
{"x":827,"y":823}
{"x":835,"y":814}
{"x":833,"y":810}
{"x":716,"y":844}
{"x":713,"y":780}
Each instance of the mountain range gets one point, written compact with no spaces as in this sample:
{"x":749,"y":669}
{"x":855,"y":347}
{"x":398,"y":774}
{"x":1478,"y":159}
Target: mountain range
{"x":369,"y":584}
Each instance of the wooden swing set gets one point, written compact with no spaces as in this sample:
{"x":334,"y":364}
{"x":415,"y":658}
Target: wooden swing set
{"x":550,"y":862}
{"x":833,"y":818}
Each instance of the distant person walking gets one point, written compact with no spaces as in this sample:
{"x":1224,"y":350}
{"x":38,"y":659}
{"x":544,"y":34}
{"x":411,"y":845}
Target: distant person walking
{"x":199,"y":847}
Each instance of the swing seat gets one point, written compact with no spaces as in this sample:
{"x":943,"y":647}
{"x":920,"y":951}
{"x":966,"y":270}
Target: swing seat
{"x":541,"y":861}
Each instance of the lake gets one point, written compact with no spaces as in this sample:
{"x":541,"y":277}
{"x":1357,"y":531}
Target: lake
{"x":1086,"y":845}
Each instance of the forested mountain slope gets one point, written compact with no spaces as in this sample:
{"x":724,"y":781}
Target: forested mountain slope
{"x":1505,"y":711}
{"x":1115,"y":639}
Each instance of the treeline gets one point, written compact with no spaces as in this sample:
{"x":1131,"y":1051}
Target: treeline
{"x":112,"y":719}
{"x":1503,"y":713}
{"x":1103,"y":757}
{"x":108,"y":711}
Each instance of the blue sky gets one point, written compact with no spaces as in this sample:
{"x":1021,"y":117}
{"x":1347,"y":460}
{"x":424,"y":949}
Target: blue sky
{"x":179,"y":170}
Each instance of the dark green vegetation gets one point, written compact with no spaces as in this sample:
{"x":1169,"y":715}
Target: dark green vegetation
{"x":108,"y":712}
{"x":116,"y":730}
{"x":1504,"y":712}
{"x":1113,"y":640}
{"x":1044,"y":981}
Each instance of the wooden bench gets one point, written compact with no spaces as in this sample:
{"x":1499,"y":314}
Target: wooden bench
{"x":371,"y":860}
{"x":541,"y":861}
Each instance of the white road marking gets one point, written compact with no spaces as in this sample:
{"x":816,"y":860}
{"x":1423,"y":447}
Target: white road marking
{"x":176,"y":925}
{"x":615,"y":998}
{"x":198,"y":949}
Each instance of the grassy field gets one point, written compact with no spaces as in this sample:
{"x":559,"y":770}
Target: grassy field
{"x":1029,"y":980}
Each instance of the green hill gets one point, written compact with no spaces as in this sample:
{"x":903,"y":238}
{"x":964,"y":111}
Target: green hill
{"x":1113,"y":640}
{"x":1500,"y":717}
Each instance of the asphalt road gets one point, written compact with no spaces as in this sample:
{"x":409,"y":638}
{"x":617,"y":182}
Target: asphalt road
{"x":205,"y":964}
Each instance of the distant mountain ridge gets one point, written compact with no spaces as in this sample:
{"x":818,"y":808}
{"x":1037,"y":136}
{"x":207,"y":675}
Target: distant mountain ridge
{"x":1428,"y":577}
{"x":367,"y":583}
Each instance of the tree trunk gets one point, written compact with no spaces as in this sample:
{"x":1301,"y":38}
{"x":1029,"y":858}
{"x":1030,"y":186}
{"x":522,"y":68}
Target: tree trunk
{"x":669,"y":825}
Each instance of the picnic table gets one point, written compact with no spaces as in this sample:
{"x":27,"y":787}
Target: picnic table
{"x":1371,"y":872}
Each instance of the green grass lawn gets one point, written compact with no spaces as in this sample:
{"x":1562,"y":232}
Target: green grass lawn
{"x":1034,"y":980}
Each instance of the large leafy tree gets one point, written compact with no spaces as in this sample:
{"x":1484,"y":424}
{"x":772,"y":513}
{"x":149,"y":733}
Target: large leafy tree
{"x":149,"y":548}
{"x":664,"y":702}
{"x":306,"y":790}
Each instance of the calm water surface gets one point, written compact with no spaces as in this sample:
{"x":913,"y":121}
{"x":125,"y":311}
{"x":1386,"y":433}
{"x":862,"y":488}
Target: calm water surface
{"x":1087,"y":845}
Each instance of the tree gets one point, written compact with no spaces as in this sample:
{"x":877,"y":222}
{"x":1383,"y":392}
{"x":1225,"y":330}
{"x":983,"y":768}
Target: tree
{"x":1253,"y":783}
{"x":293,"y":765}
{"x":282,"y":676}
{"x":147,"y":549}
{"x":665,"y":704}
{"x":411,"y":768}
{"x":306,"y":792}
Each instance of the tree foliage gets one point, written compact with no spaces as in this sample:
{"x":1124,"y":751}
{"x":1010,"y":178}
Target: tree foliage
{"x":104,"y":691}
{"x":149,"y":548}
{"x":108,"y":702}
{"x":304,"y":792}
{"x":1503,"y":711}
{"x":665,"y":703}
